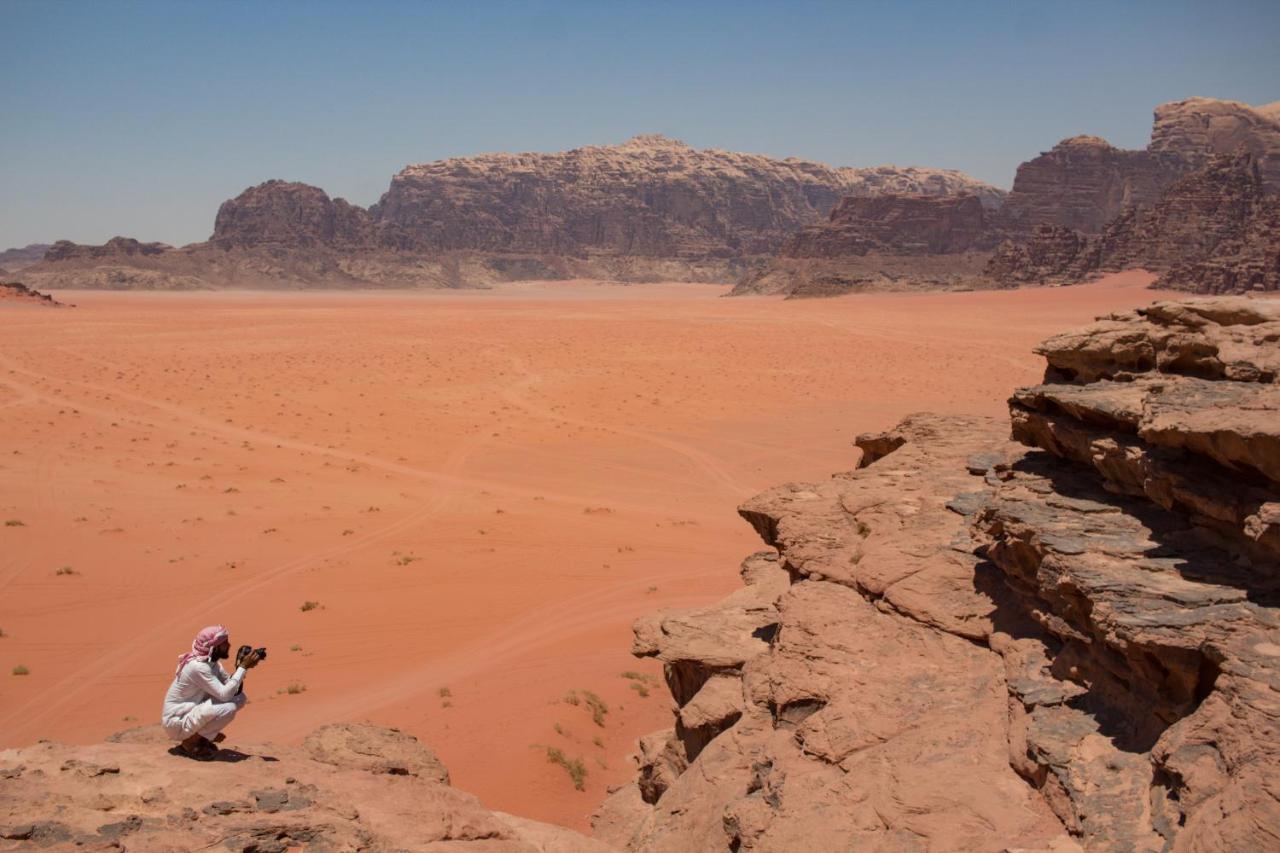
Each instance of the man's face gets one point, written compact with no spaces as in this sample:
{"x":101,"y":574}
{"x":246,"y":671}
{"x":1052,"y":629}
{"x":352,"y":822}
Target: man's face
{"x":221,"y":651}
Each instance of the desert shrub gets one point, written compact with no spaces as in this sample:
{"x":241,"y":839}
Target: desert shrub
{"x":597,"y":706}
{"x":21,"y":670}
{"x":575,"y":767}
{"x":309,"y":605}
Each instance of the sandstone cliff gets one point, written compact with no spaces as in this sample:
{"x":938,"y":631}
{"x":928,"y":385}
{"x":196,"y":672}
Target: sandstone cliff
{"x":1216,"y":230}
{"x":973,"y":644}
{"x":1084,"y":183}
{"x":349,"y":787}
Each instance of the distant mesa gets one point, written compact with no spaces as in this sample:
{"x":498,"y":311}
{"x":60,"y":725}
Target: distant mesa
{"x":12,"y":260}
{"x":116,"y":247}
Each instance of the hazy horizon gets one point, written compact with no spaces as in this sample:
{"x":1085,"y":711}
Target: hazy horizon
{"x":138,"y":119}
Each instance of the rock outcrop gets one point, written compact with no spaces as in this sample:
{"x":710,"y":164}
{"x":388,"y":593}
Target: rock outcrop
{"x":1068,"y":642}
{"x":366,"y":788}
{"x":1084,"y":182}
{"x":291,"y":215}
{"x":1196,"y":129}
{"x":17,"y":293}
{"x":1216,"y":230}
{"x":1143,"y":536}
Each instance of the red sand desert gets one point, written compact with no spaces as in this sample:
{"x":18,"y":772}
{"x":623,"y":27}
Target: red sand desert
{"x":479,"y":491}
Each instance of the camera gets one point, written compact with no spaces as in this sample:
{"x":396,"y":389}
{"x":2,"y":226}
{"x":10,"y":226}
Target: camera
{"x":245,"y":651}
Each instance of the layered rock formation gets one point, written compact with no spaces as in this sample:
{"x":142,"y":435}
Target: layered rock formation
{"x":1144,"y":535}
{"x":1198,"y":128}
{"x":970,"y":644}
{"x":348,"y":788}
{"x":1215,"y":230}
{"x":649,"y":209}
{"x":1084,"y":182}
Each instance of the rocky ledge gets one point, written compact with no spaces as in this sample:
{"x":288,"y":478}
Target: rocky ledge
{"x":349,"y":787}
{"x":1067,"y":641}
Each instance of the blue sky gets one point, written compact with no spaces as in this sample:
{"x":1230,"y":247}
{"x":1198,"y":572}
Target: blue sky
{"x":139,"y":118}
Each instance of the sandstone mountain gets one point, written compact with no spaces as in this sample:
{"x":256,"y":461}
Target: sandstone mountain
{"x":651,"y":208}
{"x":1068,"y":641}
{"x":1216,"y":230}
{"x":13,"y":260}
{"x":1084,"y":182}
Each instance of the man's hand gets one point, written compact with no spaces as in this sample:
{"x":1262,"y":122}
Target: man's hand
{"x":250,"y":660}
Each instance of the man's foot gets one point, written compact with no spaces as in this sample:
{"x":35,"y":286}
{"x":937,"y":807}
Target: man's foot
{"x":198,"y":747}
{"x":219,"y":737}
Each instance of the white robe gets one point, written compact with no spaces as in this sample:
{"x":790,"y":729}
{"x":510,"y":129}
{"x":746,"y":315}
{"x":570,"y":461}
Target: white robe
{"x":202,"y":699}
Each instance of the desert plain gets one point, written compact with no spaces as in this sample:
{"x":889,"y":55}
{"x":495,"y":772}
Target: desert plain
{"x":439,"y":511}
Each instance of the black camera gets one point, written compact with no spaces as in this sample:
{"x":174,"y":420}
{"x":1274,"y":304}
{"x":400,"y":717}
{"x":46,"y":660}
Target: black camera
{"x":245,"y":651}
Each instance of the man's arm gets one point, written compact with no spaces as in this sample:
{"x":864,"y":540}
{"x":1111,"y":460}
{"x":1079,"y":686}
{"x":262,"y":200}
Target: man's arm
{"x":219,"y":691}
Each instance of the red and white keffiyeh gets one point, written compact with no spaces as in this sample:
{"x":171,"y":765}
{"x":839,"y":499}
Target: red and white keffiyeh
{"x":203,"y":644}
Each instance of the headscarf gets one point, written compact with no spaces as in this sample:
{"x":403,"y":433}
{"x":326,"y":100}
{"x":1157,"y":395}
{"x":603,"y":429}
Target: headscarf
{"x":202,"y":645}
